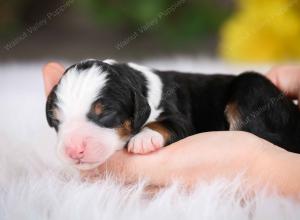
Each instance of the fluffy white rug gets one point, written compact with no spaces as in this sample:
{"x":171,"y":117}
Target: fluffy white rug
{"x":34,"y":185}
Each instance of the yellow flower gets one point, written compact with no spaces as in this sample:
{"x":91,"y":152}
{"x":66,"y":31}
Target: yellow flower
{"x":262,"y":30}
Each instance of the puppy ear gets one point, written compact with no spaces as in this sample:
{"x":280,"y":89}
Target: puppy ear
{"x":52,"y":72}
{"x":141,"y":111}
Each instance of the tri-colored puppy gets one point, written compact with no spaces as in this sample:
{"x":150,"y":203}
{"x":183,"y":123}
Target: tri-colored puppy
{"x":99,"y":107}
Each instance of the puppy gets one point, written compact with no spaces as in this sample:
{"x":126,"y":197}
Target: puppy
{"x":99,"y":107}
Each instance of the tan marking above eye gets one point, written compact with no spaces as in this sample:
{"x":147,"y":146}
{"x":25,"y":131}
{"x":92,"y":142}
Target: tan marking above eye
{"x":97,"y":109}
{"x":55,"y":113}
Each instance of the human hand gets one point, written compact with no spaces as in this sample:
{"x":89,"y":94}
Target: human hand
{"x":203,"y":156}
{"x":287,"y":79}
{"x":207,"y":156}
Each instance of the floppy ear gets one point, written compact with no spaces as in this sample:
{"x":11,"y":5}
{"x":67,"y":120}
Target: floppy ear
{"x":52,"y":72}
{"x":141,"y":111}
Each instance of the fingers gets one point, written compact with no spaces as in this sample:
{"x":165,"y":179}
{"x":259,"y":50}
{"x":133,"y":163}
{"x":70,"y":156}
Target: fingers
{"x":287,"y":79}
{"x":52,"y":72}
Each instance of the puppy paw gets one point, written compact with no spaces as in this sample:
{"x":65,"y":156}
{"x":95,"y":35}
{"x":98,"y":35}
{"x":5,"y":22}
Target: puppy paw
{"x":145,"y":142}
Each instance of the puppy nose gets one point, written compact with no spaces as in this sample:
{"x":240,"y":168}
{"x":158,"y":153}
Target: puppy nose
{"x":76,"y":152}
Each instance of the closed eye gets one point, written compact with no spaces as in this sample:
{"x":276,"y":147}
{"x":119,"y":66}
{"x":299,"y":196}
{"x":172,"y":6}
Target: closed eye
{"x":54,"y":122}
{"x":108,"y":119}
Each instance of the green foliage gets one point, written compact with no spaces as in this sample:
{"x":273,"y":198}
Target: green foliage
{"x":10,"y":16}
{"x":181,"y":21}
{"x":174,"y":22}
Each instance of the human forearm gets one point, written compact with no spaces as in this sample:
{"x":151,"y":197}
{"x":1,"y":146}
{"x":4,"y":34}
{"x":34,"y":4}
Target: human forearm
{"x":207,"y":160}
{"x":200,"y":157}
{"x":211,"y":155}
{"x":262,"y":163}
{"x":279,"y":170}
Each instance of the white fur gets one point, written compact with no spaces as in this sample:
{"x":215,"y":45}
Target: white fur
{"x":35,"y":185}
{"x":145,"y":141}
{"x":78,"y":90}
{"x":110,"y":61}
{"x":102,"y":142}
{"x":155,"y":87}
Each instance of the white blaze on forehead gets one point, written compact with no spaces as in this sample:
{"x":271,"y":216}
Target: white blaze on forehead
{"x":110,"y":61}
{"x":78,"y":89}
{"x":154,"y":93}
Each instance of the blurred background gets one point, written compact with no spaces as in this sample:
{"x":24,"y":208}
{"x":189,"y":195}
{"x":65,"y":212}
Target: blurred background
{"x":231,"y":30}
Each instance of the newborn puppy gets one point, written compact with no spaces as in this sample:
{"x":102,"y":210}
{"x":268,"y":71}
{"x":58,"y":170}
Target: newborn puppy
{"x":99,"y":107}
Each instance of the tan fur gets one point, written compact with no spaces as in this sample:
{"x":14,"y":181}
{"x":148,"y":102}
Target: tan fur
{"x":125,"y":129}
{"x":156,"y":126}
{"x":56,"y":113}
{"x":233,"y":116}
{"x":97,"y":108}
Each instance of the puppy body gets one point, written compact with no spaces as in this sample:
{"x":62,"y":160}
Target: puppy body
{"x":99,"y":107}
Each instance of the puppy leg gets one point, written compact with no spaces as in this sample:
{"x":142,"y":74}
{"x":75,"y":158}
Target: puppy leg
{"x":146,"y":141}
{"x":156,"y":135}
{"x":257,"y":106}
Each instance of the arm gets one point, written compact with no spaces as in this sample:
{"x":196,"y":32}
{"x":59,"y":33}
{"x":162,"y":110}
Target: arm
{"x":207,"y":156}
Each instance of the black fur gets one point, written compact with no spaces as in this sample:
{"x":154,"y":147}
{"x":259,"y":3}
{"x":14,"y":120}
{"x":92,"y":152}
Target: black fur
{"x":265,"y":111}
{"x":194,"y":103}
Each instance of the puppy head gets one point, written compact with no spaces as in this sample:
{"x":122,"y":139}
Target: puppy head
{"x":94,"y":109}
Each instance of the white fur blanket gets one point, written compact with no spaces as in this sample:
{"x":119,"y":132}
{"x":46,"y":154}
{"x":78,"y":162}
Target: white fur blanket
{"x":34,"y":185}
